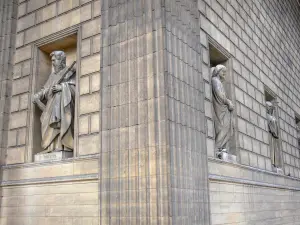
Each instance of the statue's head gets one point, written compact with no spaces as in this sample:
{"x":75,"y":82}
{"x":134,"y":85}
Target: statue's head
{"x":58,"y":59}
{"x":219,"y":71}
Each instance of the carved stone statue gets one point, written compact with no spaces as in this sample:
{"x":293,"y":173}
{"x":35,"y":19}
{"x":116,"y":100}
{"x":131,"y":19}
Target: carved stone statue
{"x":274,"y":134}
{"x":223,"y":109}
{"x":57,"y":100}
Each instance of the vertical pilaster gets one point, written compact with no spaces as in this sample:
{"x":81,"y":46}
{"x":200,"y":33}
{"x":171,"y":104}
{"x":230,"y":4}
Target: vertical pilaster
{"x":8,"y":15}
{"x":185,"y":97}
{"x":153,"y":163}
{"x":134,"y":157}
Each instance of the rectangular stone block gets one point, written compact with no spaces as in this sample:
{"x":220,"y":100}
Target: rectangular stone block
{"x":90,"y":64}
{"x":89,"y":144}
{"x":85,"y":12}
{"x":96,"y":43}
{"x":86,"y":167}
{"x":22,"y":9}
{"x":20,"y":85}
{"x":19,"y":39}
{"x":26,"y":22}
{"x":97,"y":8}
{"x":22,"y":134}
{"x":91,"y":28}
{"x":53,"y":156}
{"x":84,"y":87}
{"x":83,"y":125}
{"x":85,"y":47}
{"x":15,"y":155}
{"x":35,"y":4}
{"x":66,"y":5}
{"x":23,"y":54}
{"x":12,"y":138}
{"x":95,"y":82}
{"x":18,"y":119}
{"x":23,"y":104}
{"x":89,"y":103}
{"x":46,"y":13}
{"x":95,"y":125}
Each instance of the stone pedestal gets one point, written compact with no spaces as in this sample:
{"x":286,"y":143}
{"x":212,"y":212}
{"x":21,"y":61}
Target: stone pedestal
{"x":226,"y":157}
{"x":277,"y":170}
{"x":53,"y":156}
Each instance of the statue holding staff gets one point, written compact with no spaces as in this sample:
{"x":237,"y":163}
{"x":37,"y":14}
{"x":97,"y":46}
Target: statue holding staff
{"x":56,"y":100}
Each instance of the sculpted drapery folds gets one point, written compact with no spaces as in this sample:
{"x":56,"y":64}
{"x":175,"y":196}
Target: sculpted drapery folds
{"x":274,"y":134}
{"x":57,"y":101}
{"x":223,"y":109}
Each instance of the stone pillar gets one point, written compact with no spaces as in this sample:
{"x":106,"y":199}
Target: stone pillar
{"x":153,"y":163}
{"x":8,"y":15}
{"x":185,"y":111}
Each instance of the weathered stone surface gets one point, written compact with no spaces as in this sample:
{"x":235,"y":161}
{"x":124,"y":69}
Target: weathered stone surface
{"x":53,"y":156}
{"x":89,"y":144}
{"x":26,"y":22}
{"x":56,"y":101}
{"x":91,"y":28}
{"x":151,"y":113}
{"x":89,"y":103}
{"x":46,"y":13}
{"x":35,"y":4}
{"x":23,"y":54}
{"x":90,"y":64}
{"x":15,"y":155}
{"x":18,"y":119}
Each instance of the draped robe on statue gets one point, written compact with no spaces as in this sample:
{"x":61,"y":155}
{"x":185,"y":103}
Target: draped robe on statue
{"x":274,"y":136}
{"x":57,"y":121}
{"x":224,"y":127}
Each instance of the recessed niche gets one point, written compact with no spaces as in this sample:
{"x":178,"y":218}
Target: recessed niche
{"x":43,"y":69}
{"x":274,"y":131}
{"x":217,"y":56}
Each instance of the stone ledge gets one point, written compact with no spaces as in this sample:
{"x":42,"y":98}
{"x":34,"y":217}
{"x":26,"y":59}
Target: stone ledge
{"x":60,"y":179}
{"x":242,"y":173}
{"x":69,"y":160}
{"x":249,"y":182}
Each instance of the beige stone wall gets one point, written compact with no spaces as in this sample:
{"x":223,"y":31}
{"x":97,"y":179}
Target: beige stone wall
{"x":248,"y":204}
{"x":263,"y":53}
{"x":261,"y":38}
{"x":58,"y":192}
{"x":244,"y":195}
{"x":51,"y":193}
{"x":73,"y":203}
{"x":41,"y":23}
{"x":185,"y":111}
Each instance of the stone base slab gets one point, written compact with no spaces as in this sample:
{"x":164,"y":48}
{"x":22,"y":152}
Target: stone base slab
{"x":53,"y":156}
{"x":226,"y":157}
{"x":277,"y":170}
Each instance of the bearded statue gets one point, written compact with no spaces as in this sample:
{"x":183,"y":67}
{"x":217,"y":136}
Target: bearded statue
{"x":56,"y":100}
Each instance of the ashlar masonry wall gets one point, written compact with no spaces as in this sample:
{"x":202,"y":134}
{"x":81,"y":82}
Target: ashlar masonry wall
{"x":262,"y":40}
{"x":58,"y":192}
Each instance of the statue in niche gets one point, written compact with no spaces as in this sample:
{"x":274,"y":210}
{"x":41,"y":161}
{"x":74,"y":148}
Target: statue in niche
{"x":274,"y":133}
{"x":223,"y":110}
{"x":56,"y":100}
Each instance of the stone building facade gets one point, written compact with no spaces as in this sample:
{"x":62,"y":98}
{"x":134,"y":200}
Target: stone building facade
{"x":144,"y":130}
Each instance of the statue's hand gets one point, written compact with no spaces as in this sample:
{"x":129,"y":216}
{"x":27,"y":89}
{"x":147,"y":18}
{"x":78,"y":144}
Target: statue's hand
{"x":35,"y":98}
{"x":230,"y":106}
{"x":56,"y":88}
